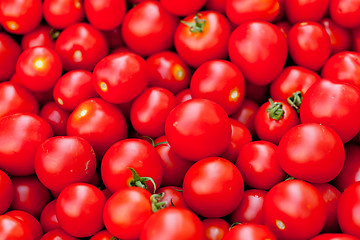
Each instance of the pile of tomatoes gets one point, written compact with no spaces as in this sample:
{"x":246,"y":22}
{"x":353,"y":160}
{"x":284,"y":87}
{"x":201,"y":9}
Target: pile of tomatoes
{"x":179,"y":119}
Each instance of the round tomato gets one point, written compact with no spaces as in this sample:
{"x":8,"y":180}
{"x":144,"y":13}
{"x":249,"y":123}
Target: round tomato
{"x":346,"y":13}
{"x":6,"y":192}
{"x":172,"y":196}
{"x":9,"y":53}
{"x":12,"y":228}
{"x":249,"y":231}
{"x":29,"y":220}
{"x":308,"y":10}
{"x":43,"y":35}
{"x":246,"y":114}
{"x":182,"y":7}
{"x":57,"y":234}
{"x":48,"y":219}
{"x":334,"y":236}
{"x":215,"y":228}
{"x":340,"y":38}
{"x":56,"y":117}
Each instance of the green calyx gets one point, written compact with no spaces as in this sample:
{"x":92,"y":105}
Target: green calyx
{"x":156,"y":203}
{"x":295,"y":100}
{"x":275,"y":111}
{"x":138,"y":181}
{"x":197,"y":26}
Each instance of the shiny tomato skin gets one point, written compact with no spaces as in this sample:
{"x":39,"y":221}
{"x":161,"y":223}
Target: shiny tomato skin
{"x":173,"y":197}
{"x":213,"y":187}
{"x":29,"y":220}
{"x":134,"y":205}
{"x":81,"y":46}
{"x":309,"y":45}
{"x":211,"y":43}
{"x":38,"y":68}
{"x":9,"y":52}
{"x":120,"y":77}
{"x":332,"y":103}
{"x":94,"y":117}
{"x":6,"y":192}
{"x":198,"y":128}
{"x":40,"y":36}
{"x":14,"y":98}
{"x":57,"y":234}
{"x":105,"y":15}
{"x":215,"y":228}
{"x":18,"y":145}
{"x":48,"y":219}
{"x":334,"y":236}
{"x":306,"y":148}
{"x":308,"y":10}
{"x":12,"y":228}
{"x":249,"y":231}
{"x":20,"y":17}
{"x":259,"y":166}
{"x":60,"y":14}
{"x":346,"y":13}
{"x":340,"y":38}
{"x":348,"y":210}
{"x":304,"y":215}
{"x":102,"y":235}
{"x":134,"y":153}
{"x":161,"y":225}
{"x":220,"y":81}
{"x":268,"y":51}
{"x":246,"y":114}
{"x":79,"y":209}
{"x":155,"y":29}
{"x":56,"y":117}
{"x":182,"y":7}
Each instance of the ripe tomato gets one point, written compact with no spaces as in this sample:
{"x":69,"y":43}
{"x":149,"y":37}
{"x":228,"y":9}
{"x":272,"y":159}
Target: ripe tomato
{"x":213,"y":187}
{"x":258,"y":45}
{"x":106,"y":14}
{"x":100,"y":123}
{"x":43,"y":36}
{"x":148,"y":22}
{"x":126,"y":212}
{"x":9,"y":53}
{"x":81,"y":46}
{"x":6,"y":192}
{"x":131,"y":153}
{"x":246,"y":114}
{"x":308,"y":10}
{"x":48,"y":219}
{"x":102,"y":235}
{"x":304,"y":215}
{"x":334,"y":236}
{"x":29,"y":220}
{"x":306,"y":148}
{"x":57,"y":234}
{"x":340,"y":38}
{"x":198,"y":128}
{"x":249,"y":231}
{"x":38,"y":68}
{"x":79,"y":209}
{"x":172,"y":196}
{"x":215,"y":228}
{"x":161,"y":225}
{"x":60,"y":14}
{"x":18,"y":145}
{"x":182,"y":7}
{"x":346,"y":13}
{"x":56,"y":117}
{"x":202,"y":37}
{"x":220,"y":81}
{"x":332,"y":104}
{"x":309,"y":45}
{"x":12,"y":228}
{"x":120,"y":77}
{"x":19,"y":17}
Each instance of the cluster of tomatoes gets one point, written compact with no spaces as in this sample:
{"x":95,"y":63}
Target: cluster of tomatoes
{"x":179,"y":119}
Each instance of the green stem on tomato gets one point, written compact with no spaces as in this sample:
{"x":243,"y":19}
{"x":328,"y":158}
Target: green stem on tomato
{"x":295,"y":100}
{"x":138,"y":181}
{"x":155,"y":199}
{"x":197,"y":26}
{"x":275,"y":111}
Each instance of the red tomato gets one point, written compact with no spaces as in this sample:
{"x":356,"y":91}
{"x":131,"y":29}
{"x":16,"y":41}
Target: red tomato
{"x":216,"y":5}
{"x":9,"y":53}
{"x":29,"y":195}
{"x":334,"y":236}
{"x":120,"y":77}
{"x":81,"y":46}
{"x":308,"y":10}
{"x":198,"y":128}
{"x":131,"y":153}
{"x":311,"y":152}
{"x":346,"y":13}
{"x":102,"y":235}
{"x":250,"y":208}
{"x":43,"y":36}
{"x":246,"y":114}
{"x":79,"y":209}
{"x":220,"y":81}
{"x":6,"y":192}
{"x":241,"y":11}
{"x":62,"y":13}
{"x":258,"y":45}
{"x":99,"y":122}
{"x":150,"y":109}
{"x":348,"y":210}
{"x":61,"y":161}
{"x":350,"y":173}
{"x":355,"y":39}
{"x":72,"y":88}
{"x":215,"y":228}
{"x":332,"y":103}
{"x":48,"y":217}
{"x":148,"y":22}
{"x":174,"y":166}
{"x":182,"y":7}
{"x":38,"y":68}
{"x":259,"y":166}
{"x":57,"y":234}
{"x":56,"y":117}
{"x":172,"y":196}
{"x":19,"y":16}
{"x":106,"y":14}
{"x":12,"y":228}
{"x":168,"y":70}
{"x":340,"y":38}
{"x":343,"y":66}
{"x":202,"y":37}
{"x":161,"y":225}
{"x":183,"y":96}
{"x":304,"y":215}
{"x":221,"y":187}
{"x":29,"y":220}
{"x":14,"y":99}
{"x":126,"y":212}
{"x":18,"y":145}
{"x":309,"y":45}
{"x":250,"y":231}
